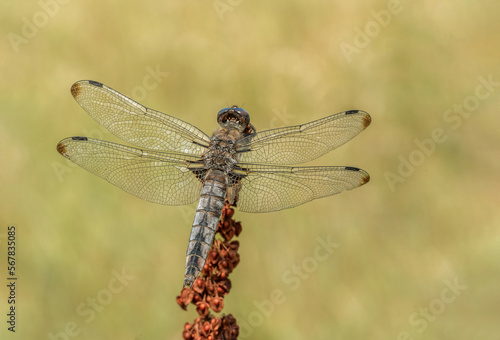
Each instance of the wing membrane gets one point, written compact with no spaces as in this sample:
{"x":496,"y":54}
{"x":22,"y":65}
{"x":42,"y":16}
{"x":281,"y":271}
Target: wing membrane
{"x":135,"y":123}
{"x":158,"y":177}
{"x":302,"y":143}
{"x":266,"y":188}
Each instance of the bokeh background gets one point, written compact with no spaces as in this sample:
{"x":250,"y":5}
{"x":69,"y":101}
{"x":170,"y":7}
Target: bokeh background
{"x":427,"y":221}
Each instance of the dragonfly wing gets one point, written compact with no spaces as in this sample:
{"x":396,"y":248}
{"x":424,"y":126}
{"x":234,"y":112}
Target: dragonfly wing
{"x":135,"y":123}
{"x":155,"y":176}
{"x":302,"y":143}
{"x":266,"y":188}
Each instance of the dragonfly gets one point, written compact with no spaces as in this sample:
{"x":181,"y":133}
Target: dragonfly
{"x":175,"y":163}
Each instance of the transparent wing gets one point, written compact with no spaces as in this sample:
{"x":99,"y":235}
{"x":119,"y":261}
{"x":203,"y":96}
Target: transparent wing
{"x":302,"y":143}
{"x":266,"y":188}
{"x":158,"y":177}
{"x":135,"y":123}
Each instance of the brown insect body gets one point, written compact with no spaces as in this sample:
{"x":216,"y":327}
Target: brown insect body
{"x":219,"y":184}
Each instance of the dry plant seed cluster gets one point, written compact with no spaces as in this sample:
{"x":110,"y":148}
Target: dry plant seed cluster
{"x":213,"y":284}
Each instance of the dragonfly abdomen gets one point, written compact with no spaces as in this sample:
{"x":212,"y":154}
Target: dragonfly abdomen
{"x":205,"y":223}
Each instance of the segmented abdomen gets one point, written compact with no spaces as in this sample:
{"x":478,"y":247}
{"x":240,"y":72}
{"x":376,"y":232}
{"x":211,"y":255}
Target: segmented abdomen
{"x":205,"y":222}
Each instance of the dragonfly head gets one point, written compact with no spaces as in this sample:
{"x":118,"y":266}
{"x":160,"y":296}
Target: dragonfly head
{"x":233,"y":117}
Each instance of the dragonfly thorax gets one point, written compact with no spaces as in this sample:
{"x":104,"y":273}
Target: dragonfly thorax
{"x":221,"y":155}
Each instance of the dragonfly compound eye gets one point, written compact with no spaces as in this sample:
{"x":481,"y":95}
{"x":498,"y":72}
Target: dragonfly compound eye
{"x":234,"y":115}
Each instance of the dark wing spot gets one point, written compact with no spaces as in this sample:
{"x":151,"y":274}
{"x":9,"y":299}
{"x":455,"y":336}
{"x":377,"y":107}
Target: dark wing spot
{"x":95,"y":83}
{"x":365,"y":179}
{"x":79,"y":138}
{"x":61,"y":148}
{"x":366,"y":121}
{"x":351,"y":112}
{"x":75,"y":90}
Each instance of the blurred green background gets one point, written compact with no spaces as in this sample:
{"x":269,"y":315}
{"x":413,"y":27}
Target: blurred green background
{"x":427,"y":221}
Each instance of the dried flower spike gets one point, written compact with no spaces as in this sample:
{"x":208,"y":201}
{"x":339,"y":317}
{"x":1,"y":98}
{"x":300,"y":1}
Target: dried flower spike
{"x":210,"y":288}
